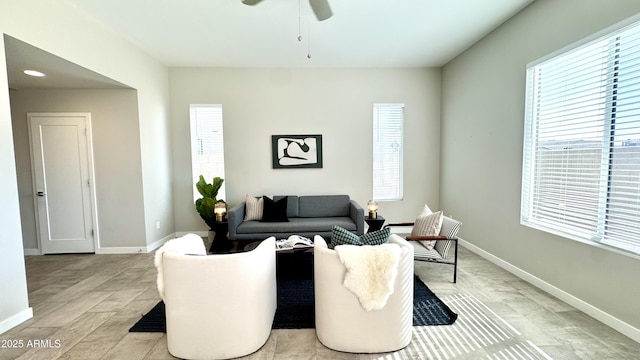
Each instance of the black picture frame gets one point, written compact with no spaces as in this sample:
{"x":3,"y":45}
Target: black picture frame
{"x":296,"y":151}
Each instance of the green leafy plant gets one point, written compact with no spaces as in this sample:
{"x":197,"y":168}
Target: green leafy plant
{"x":207,"y":203}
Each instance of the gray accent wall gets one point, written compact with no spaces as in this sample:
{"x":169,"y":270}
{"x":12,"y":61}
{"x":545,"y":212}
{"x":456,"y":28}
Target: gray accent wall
{"x":336,"y":103}
{"x":483,"y":93}
{"x":116,"y":153}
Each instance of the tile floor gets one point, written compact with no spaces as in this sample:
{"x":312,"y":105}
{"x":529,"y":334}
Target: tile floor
{"x":84,"y":305}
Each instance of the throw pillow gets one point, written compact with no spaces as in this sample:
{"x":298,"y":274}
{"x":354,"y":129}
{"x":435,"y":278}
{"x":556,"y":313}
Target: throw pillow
{"x":428,"y":225}
{"x":450,"y":228}
{"x":253,"y":208}
{"x":274,"y":211}
{"x":342,"y":236}
{"x":425,"y":211}
{"x":378,"y":237}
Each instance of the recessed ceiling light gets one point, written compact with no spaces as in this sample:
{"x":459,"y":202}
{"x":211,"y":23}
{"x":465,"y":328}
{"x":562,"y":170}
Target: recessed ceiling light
{"x":34,"y":73}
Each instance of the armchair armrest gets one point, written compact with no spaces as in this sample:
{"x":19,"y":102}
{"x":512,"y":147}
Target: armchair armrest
{"x":432,"y":237}
{"x":356,"y":212}
{"x":235,"y":217}
{"x":400,"y":224}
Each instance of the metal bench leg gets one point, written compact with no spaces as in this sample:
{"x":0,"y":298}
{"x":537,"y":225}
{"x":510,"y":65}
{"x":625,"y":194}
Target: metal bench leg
{"x":455,"y":262}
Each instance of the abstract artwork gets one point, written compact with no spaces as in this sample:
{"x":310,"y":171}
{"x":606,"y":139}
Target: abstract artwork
{"x":296,"y":151}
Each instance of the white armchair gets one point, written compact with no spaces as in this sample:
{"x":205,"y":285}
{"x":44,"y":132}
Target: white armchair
{"x":219,"y":306}
{"x":342,"y":323}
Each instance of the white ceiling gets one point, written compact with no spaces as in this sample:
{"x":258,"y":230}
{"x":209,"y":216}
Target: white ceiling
{"x":361,"y":33}
{"x":227,"y":33}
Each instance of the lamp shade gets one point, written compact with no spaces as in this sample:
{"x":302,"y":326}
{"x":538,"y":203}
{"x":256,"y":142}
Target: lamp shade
{"x":372,"y":206}
{"x":220,"y":210}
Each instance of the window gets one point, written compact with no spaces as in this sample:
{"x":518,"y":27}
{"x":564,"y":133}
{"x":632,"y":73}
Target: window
{"x":207,"y":145}
{"x":581,"y":165}
{"x":387,"y":151}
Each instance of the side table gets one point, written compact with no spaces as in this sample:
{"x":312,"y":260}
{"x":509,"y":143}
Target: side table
{"x":374,"y":224}
{"x":220,"y":241}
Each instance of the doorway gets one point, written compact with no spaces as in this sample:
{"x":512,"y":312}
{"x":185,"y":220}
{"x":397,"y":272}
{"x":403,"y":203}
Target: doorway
{"x":63,"y":181}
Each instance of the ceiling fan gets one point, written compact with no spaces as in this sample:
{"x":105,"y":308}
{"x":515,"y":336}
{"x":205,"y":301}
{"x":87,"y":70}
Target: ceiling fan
{"x":320,"y":8}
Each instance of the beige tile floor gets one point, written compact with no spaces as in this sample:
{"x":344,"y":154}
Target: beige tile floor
{"x":84,"y":305}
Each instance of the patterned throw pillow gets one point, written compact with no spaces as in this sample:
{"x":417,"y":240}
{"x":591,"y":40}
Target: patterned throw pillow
{"x":428,"y":225}
{"x":253,"y":208}
{"x":378,"y":237}
{"x":450,"y":228}
{"x":342,"y":236}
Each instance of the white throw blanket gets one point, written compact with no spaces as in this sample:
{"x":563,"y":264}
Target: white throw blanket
{"x":187,"y":244}
{"x":371,"y":272}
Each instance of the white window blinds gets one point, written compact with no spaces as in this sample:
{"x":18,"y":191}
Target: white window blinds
{"x":207,"y":145}
{"x":387,"y":151}
{"x":581,"y":168}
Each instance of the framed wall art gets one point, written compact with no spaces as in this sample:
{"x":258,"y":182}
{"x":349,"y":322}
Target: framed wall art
{"x":296,"y":151}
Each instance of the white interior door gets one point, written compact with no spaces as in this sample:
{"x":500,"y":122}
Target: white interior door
{"x":63,"y":188}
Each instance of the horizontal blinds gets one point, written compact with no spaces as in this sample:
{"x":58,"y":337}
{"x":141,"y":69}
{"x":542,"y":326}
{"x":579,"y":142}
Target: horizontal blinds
{"x":581,"y":173}
{"x":207,"y":144}
{"x":387,"y":151}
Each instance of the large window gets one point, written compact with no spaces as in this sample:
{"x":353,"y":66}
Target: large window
{"x":581,"y":170}
{"x":207,"y":145}
{"x":387,"y":151}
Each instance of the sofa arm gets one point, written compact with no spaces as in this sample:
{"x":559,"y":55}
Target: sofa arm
{"x":356,"y":212}
{"x":235,"y":217}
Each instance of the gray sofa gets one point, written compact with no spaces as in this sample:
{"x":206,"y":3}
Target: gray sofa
{"x":307,"y":215}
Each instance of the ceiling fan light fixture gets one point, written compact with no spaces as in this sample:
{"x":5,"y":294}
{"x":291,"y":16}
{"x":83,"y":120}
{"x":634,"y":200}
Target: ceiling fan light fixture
{"x":33,"y":73}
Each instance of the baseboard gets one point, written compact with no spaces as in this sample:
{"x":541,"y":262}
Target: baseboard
{"x":135,"y":249}
{"x":604,"y":317}
{"x":160,"y":242}
{"x":131,"y":249}
{"x":32,"y":252}
{"x":16,"y":320}
{"x":199,"y":233}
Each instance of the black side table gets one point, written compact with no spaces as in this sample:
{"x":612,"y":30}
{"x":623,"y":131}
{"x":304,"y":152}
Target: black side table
{"x":374,"y":224}
{"x":220,"y":241}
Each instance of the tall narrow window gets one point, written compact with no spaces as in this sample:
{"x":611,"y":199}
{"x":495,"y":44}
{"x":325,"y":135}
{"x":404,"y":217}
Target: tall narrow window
{"x":581,"y":169}
{"x":387,"y":151}
{"x":207,"y":145}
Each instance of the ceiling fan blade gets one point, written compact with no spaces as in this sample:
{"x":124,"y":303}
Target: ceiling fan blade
{"x":321,"y":8}
{"x":250,"y":2}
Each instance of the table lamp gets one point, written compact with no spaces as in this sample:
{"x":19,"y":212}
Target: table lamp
{"x":372,"y":206}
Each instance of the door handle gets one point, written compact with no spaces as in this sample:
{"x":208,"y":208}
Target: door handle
{"x":41,"y":193}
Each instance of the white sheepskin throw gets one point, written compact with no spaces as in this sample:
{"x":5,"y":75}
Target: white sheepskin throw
{"x":187,"y":244}
{"x":371,"y":272}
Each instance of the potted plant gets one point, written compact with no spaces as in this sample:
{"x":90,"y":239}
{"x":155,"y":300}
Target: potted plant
{"x":206,"y":207}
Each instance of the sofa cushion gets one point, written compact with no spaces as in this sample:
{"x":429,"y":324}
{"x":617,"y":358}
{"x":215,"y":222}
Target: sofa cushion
{"x":296,"y":226}
{"x":292,"y":204}
{"x":274,"y":211}
{"x":324,"y":206}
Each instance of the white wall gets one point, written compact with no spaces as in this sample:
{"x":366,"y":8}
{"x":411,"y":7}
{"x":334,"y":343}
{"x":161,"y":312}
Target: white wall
{"x":336,"y":103}
{"x":59,"y":28}
{"x":14,"y":306}
{"x":116,"y":149}
{"x":482,"y":116}
{"x":63,"y":30}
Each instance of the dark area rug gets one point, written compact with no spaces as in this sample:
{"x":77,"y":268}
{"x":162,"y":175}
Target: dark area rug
{"x":296,"y":308}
